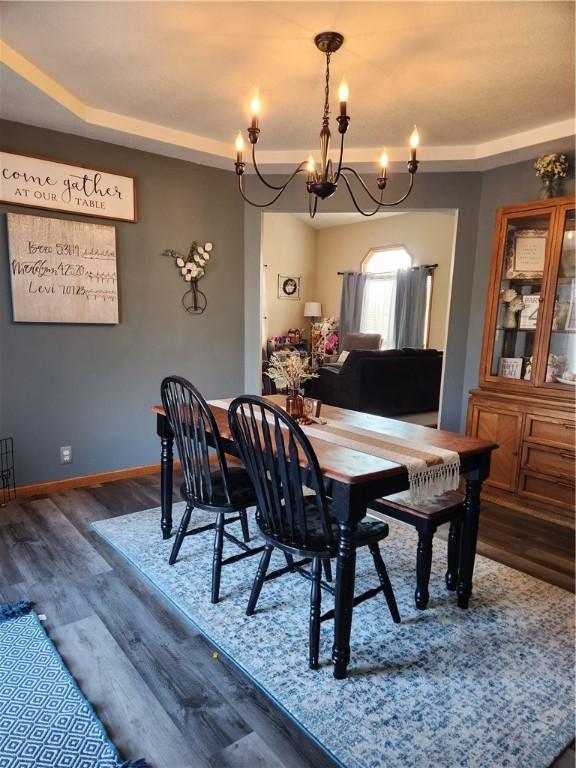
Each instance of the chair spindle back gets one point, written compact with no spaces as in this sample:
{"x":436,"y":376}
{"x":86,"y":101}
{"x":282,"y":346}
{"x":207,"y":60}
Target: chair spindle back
{"x":193,"y":425}
{"x":280,"y":461}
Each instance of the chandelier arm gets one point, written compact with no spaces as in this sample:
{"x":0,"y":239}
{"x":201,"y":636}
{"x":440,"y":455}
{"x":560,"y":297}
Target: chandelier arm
{"x":340,"y":158}
{"x":371,"y":196}
{"x":300,"y":167}
{"x":271,"y":202}
{"x":379,"y":203}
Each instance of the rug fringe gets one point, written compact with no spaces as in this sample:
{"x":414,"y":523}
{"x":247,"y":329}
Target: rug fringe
{"x":134,"y":764}
{"x":14,"y":610}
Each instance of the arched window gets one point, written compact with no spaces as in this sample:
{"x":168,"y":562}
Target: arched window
{"x":379,"y":304}
{"x":385,"y":260}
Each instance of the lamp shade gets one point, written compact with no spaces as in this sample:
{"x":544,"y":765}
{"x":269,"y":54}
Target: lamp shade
{"x":312,"y":309}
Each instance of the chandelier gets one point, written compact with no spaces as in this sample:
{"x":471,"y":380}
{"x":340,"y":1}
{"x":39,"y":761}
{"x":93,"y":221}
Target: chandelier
{"x":323,"y":182}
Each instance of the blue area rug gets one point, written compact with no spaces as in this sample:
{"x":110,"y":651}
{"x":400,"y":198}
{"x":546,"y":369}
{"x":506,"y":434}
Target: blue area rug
{"x":45,"y":721}
{"x":484,"y":688}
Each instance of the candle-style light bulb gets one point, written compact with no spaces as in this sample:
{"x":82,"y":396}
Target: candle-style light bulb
{"x":343,"y":96}
{"x":414,"y":142}
{"x":384,"y":162}
{"x":255,"y":106}
{"x":239,"y":143}
{"x":311,"y":167}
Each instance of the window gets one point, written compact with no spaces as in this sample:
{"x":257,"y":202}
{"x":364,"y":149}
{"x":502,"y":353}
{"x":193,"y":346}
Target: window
{"x":379,"y":304}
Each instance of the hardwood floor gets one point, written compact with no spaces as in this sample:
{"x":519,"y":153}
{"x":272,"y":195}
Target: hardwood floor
{"x":152,"y":678}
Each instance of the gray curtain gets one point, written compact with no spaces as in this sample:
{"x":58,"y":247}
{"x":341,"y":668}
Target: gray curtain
{"x":410,"y":311}
{"x":353,"y":284}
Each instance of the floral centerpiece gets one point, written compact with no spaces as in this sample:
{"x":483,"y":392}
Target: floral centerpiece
{"x":551,"y":168}
{"x":290,"y":372}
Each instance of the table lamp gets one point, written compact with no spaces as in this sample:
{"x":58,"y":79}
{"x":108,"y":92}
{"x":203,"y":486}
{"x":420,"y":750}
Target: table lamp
{"x":312,"y":309}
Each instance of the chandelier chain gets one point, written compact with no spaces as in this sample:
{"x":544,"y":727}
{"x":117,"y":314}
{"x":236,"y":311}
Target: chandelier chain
{"x":326,"y":117}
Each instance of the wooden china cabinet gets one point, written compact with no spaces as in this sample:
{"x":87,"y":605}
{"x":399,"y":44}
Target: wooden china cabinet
{"x":526,"y":393}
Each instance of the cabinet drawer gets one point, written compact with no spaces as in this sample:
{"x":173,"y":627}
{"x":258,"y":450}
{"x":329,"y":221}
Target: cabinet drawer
{"x":549,"y":490}
{"x":549,"y":431}
{"x":548,"y":461}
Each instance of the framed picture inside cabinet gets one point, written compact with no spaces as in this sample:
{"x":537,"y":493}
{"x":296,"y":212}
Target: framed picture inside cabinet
{"x":289,"y":287}
{"x":526,"y":253}
{"x":571,"y":316}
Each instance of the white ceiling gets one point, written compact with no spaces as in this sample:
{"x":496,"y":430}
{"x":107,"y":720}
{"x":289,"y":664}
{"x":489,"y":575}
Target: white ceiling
{"x":484,"y":81}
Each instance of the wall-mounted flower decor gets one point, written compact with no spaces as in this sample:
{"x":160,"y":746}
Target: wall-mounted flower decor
{"x":192,"y":268}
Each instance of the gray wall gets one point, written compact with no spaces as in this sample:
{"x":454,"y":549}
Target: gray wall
{"x":508,"y":185}
{"x":91,"y":386}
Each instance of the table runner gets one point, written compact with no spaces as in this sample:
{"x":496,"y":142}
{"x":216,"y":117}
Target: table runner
{"x":431,"y":470}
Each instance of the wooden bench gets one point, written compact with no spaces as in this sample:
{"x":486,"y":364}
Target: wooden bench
{"x":426,"y":518}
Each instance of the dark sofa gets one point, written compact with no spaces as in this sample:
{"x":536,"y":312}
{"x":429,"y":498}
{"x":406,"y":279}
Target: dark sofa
{"x":392,"y":382}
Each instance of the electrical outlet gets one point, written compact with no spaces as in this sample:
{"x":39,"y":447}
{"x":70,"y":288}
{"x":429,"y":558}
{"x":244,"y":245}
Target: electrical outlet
{"x":66,"y":454}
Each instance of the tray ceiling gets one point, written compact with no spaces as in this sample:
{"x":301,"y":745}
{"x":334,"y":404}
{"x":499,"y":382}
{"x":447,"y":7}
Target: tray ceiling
{"x":483,"y":80}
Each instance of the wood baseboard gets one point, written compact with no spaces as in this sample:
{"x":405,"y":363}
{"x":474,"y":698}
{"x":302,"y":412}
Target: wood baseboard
{"x":81,"y":481}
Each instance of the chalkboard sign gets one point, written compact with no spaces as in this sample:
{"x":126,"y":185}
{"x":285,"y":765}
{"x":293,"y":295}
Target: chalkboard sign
{"x":62,"y":271}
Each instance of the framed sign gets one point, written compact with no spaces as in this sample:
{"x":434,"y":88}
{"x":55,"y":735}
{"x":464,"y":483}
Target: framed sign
{"x":529,"y":313}
{"x":526,"y":253}
{"x":510,"y":367}
{"x":43,"y":183}
{"x":289,"y":287}
{"x":62,"y":271}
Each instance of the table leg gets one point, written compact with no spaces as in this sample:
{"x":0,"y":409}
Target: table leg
{"x":166,"y":473}
{"x":469,"y":537}
{"x":343,"y":600}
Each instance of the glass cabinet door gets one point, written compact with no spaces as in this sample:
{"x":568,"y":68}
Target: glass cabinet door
{"x":526,"y":248}
{"x":559,"y":369}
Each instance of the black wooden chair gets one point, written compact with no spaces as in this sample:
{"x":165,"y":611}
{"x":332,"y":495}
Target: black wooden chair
{"x":281,"y":464}
{"x":208,"y":485}
{"x":426,"y":518}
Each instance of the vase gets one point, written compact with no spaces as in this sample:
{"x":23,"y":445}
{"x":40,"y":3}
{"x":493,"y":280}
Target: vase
{"x":551,"y":187}
{"x":294,"y":404}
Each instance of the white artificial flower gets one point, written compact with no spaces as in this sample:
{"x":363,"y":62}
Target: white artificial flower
{"x":208,"y":247}
{"x":189,"y":270}
{"x":180,"y":261}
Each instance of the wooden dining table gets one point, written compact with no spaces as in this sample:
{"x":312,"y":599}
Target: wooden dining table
{"x":353,"y":479}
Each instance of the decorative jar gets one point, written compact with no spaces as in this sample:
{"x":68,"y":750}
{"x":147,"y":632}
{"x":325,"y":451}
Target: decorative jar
{"x":294,"y":404}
